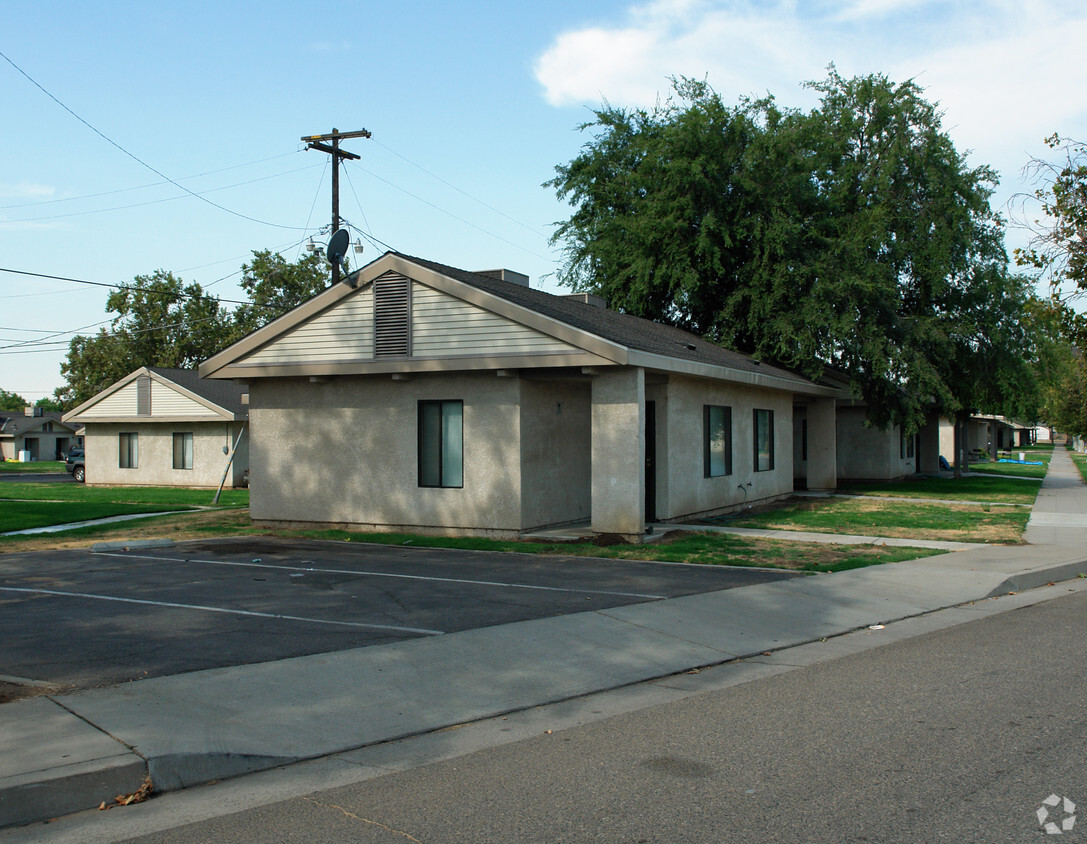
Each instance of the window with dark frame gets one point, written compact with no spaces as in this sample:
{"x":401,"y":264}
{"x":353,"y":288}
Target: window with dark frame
{"x":764,"y":440}
{"x":183,"y":451}
{"x":128,"y":450}
{"x":441,"y":444}
{"x":716,"y":441}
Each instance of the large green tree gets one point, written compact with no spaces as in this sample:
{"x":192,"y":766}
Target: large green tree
{"x":159,"y":321}
{"x":11,"y":401}
{"x":851,"y":236}
{"x":274,"y":285}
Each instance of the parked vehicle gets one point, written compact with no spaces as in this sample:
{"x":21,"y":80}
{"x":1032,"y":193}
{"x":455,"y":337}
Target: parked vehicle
{"x":74,"y":464}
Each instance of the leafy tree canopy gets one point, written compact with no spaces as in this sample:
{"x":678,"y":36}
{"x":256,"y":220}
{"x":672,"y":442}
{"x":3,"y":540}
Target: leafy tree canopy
{"x":853,"y":236}
{"x":159,"y":320}
{"x":11,"y":401}
{"x":275,"y":285}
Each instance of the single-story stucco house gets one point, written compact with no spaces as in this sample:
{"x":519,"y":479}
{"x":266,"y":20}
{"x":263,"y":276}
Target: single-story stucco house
{"x":865,"y":452}
{"x":422,"y":397}
{"x":34,"y":434}
{"x":164,"y":427}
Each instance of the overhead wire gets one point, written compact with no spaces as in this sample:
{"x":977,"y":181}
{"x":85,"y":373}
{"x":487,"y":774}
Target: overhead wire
{"x":149,"y":185}
{"x":461,"y":191}
{"x":158,"y":201}
{"x":135,"y":157}
{"x":447,"y":213}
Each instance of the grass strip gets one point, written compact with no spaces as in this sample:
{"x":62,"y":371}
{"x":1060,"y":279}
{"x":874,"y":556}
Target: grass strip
{"x":37,"y":467}
{"x":970,"y":488}
{"x":682,"y":547}
{"x":168,"y":497}
{"x":873,"y":517}
{"x":24,"y":515}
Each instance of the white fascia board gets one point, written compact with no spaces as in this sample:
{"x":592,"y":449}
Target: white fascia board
{"x":680,"y":366}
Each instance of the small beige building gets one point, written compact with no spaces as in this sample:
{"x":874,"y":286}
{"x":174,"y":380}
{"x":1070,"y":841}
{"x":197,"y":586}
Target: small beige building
{"x":164,"y":427}
{"x":33,"y":435}
{"x":421,"y":397}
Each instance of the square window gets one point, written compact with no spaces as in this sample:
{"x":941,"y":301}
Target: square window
{"x":441,"y":444}
{"x":128,"y":450}
{"x":716,"y":441}
{"x":764,"y":440}
{"x":182,"y":451}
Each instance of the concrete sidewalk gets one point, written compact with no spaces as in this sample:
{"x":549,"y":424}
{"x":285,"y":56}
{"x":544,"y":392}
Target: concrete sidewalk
{"x":71,"y":752}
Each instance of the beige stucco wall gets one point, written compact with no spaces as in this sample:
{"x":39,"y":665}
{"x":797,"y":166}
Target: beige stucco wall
{"x":869,"y":453}
{"x":155,"y":458}
{"x":556,"y":452}
{"x":345,"y":451}
{"x":682,"y":488}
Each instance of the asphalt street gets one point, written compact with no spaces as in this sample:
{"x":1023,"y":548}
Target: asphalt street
{"x":79,"y":619}
{"x":956,"y":735}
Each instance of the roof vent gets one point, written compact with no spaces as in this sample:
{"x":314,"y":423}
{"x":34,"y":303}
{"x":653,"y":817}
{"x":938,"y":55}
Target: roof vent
{"x":506,"y":275}
{"x":588,"y":299}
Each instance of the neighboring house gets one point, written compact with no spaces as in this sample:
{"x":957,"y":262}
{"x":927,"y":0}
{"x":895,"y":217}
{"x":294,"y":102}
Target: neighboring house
{"x":419,"y":396}
{"x":34,"y":435}
{"x":985,"y":436}
{"x":865,"y":452}
{"x":164,"y":427}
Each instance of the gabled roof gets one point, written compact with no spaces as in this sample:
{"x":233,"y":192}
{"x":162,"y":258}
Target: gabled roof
{"x":190,"y":398}
{"x":15,"y":425}
{"x":608,"y":337}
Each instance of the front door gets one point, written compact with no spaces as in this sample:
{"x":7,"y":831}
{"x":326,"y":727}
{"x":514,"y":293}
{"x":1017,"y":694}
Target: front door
{"x":650,"y":461}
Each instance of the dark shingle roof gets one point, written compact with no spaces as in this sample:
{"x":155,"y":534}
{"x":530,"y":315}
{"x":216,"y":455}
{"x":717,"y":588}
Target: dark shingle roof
{"x":13,"y":424}
{"x":226,"y":394}
{"x":624,"y":329}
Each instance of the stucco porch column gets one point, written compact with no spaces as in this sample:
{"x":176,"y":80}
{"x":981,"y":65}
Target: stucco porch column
{"x":618,"y":452}
{"x":928,"y":447}
{"x":822,"y":445}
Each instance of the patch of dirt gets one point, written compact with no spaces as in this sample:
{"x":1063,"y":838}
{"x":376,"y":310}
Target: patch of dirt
{"x":197,"y":524}
{"x":15,"y":691}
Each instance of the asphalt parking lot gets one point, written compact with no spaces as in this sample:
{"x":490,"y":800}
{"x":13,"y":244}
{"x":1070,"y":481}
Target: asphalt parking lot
{"x":80,"y":619}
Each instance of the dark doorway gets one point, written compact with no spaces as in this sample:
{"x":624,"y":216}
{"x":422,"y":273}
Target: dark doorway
{"x":650,"y":461}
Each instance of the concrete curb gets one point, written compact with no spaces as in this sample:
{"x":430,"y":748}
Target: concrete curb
{"x":53,"y":762}
{"x":73,"y":752}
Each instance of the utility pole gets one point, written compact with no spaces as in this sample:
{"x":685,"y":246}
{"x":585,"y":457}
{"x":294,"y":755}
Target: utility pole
{"x":317,"y":142}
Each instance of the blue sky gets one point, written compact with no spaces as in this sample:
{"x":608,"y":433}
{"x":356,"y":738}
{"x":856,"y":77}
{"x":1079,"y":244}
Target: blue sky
{"x":470,"y":108}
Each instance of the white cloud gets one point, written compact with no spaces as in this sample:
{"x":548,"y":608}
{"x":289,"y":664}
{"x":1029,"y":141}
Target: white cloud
{"x":26,"y":190}
{"x":1005,"y":72}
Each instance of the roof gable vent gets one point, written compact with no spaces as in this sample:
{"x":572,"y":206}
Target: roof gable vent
{"x":143,"y":395}
{"x":392,"y":316}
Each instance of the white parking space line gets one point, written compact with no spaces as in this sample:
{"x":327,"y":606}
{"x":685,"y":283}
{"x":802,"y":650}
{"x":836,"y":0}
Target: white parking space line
{"x":198,"y":607}
{"x":314,"y":569}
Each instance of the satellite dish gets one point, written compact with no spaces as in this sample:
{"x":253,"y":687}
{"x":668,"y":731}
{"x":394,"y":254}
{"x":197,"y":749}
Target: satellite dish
{"x":337,"y":246}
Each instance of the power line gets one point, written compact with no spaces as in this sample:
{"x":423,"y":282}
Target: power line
{"x":135,"y":157}
{"x":149,"y":185}
{"x":461,"y":191}
{"x":451,"y":214}
{"x":181,"y":295}
{"x":159,"y":201}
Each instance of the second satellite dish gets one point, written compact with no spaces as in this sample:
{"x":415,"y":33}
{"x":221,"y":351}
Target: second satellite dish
{"x":337,"y":246}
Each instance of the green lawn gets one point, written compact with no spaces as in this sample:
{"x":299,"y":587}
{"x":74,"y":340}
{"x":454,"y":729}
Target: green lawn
{"x":992,"y":488}
{"x":1019,"y":470}
{"x":699,"y":548}
{"x":717,"y":549}
{"x":1081,"y":463}
{"x":39,"y":466}
{"x":870,"y":516}
{"x":168,"y":497}
{"x":22,"y":515}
